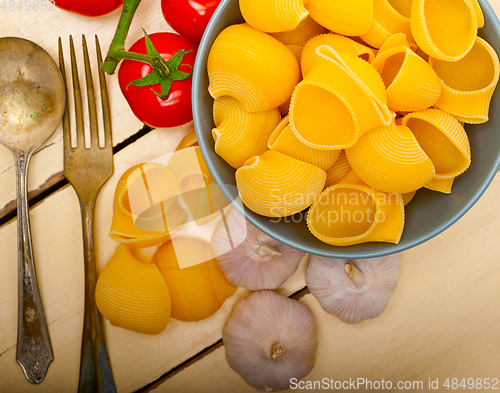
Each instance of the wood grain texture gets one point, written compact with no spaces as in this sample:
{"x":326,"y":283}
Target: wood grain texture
{"x":136,"y":359}
{"x":44,"y":28}
{"x":442,"y":320}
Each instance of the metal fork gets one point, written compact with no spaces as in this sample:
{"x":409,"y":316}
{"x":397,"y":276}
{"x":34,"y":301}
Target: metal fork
{"x":87,"y":170}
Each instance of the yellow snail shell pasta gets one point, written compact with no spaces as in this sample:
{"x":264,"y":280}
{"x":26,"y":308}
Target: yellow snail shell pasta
{"x":306,"y":30}
{"x":411,"y":82}
{"x":188,"y":141}
{"x":351,"y":212}
{"x":273,"y":16}
{"x":468,"y":84}
{"x":391,"y":160}
{"x":478,"y":13}
{"x":335,"y":41}
{"x":338,"y":171}
{"x":197,"y":188}
{"x":444,"y":29}
{"x":402,"y":6}
{"x":297,"y":52}
{"x":252,"y":67}
{"x":198,"y":291}
{"x":441,"y":185}
{"x":238,"y":134}
{"x":386,"y":22}
{"x":276,"y":185}
{"x":284,"y":141}
{"x":407,"y":197}
{"x":346,"y":17}
{"x":443,"y":139}
{"x":132,"y":294}
{"x":395,"y":41}
{"x":340,"y":99}
{"x":136,"y":221}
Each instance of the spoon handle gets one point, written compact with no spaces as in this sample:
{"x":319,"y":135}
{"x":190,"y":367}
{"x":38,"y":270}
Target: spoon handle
{"x":34,"y":351}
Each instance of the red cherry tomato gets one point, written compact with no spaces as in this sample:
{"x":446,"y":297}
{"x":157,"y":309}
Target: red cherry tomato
{"x":88,"y":7}
{"x":189,"y":18}
{"x":176,"y":109}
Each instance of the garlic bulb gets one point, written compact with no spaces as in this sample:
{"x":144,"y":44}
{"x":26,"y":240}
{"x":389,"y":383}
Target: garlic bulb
{"x":270,"y":339}
{"x":250,"y":258}
{"x":353,"y":290}
{"x":133,"y":294}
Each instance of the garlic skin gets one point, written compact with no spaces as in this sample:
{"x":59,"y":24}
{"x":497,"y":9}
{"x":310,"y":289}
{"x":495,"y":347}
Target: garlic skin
{"x":355,"y":289}
{"x":257,"y":261}
{"x":270,"y":339}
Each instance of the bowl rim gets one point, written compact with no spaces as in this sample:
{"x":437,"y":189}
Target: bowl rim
{"x":336,"y":252}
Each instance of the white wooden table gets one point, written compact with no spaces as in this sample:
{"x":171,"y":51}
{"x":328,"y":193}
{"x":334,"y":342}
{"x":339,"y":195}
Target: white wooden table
{"x":443,"y":320}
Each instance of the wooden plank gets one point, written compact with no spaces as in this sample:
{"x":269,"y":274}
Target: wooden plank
{"x":442,"y":321}
{"x":136,"y":359}
{"x":44,"y":28}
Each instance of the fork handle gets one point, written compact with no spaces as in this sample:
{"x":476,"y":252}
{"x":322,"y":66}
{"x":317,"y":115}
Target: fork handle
{"x":95,"y":370}
{"x":34,"y":351}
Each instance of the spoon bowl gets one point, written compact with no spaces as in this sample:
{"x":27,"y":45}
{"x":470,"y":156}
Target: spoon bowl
{"x":32,"y":101}
{"x":31,"y":94}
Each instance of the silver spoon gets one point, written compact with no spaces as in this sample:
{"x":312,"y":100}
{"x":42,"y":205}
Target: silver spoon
{"x":32,"y":101}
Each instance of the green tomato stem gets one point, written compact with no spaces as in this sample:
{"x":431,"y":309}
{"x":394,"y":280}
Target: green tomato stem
{"x":122,"y":54}
{"x":116,"y":50}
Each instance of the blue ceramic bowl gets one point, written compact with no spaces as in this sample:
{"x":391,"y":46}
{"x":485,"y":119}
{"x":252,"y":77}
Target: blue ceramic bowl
{"x":428,"y":214}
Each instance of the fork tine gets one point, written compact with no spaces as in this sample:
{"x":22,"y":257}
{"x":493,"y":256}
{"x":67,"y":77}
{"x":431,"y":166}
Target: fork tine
{"x":66,"y":122}
{"x":94,"y":135}
{"x":80,"y":136}
{"x":106,"y":113}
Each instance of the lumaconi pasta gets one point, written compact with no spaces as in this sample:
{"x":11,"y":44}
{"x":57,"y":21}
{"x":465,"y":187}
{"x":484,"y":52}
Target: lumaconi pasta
{"x":478,"y":12}
{"x":239,"y":66}
{"x":340,"y":99}
{"x":196,"y":185}
{"x":444,"y":29}
{"x":386,"y":21}
{"x":238,"y":134}
{"x":188,"y":141}
{"x":402,"y":6}
{"x":306,"y":30}
{"x":273,"y":16}
{"x":135,"y":221}
{"x":443,"y":139}
{"x":284,"y":141}
{"x":411,"y":83}
{"x":441,"y":185}
{"x":335,"y":41}
{"x":276,"y":185}
{"x":345,"y":17}
{"x":468,"y":99}
{"x":395,"y":41}
{"x":408,"y":196}
{"x":351,"y":212}
{"x":391,"y":160}
{"x":189,"y":302}
{"x":338,"y":171}
{"x":133,"y":294}
{"x":297,"y":52}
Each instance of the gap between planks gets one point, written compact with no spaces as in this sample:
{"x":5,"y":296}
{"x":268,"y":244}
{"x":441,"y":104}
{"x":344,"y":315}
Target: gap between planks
{"x":57,"y":182}
{"x":200,"y":355}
